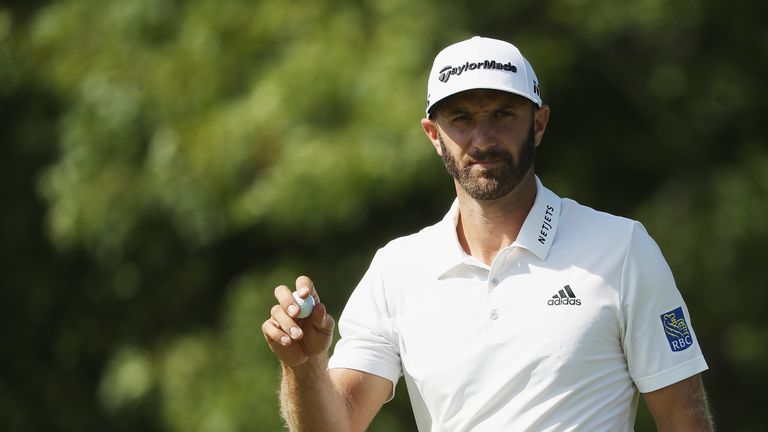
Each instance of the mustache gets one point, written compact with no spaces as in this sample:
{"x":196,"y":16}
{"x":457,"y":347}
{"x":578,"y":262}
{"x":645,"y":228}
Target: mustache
{"x":489,"y":155}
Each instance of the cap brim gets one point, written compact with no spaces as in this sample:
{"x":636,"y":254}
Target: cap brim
{"x":485,"y":87}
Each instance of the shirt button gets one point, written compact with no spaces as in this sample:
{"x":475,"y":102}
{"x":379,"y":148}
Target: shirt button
{"x":494,"y":314}
{"x":494,"y":282}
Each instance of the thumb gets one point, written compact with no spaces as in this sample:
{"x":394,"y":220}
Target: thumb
{"x":321,"y":320}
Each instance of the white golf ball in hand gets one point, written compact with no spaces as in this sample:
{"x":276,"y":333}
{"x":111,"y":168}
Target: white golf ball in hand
{"x":305,"y":305}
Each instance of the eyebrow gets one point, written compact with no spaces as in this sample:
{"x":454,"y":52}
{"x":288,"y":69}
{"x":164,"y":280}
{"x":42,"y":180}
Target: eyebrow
{"x":455,"y":110}
{"x":462,"y":110}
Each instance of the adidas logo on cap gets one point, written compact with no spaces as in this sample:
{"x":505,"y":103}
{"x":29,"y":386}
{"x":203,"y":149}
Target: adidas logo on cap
{"x":564,"y":297}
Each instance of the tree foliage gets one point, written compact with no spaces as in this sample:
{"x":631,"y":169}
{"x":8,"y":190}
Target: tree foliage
{"x":167,"y":163}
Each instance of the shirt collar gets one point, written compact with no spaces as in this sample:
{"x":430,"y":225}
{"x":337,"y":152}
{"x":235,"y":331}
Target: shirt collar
{"x":536,"y":235}
{"x":540,"y":226}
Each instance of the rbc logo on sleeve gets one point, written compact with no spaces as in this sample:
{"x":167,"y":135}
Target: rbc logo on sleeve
{"x":676,"y":329}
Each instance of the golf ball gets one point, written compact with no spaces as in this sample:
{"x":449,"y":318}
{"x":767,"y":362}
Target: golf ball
{"x":305,"y":305}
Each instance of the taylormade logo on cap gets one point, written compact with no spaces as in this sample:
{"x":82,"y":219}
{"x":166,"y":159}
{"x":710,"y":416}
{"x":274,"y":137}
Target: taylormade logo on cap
{"x":481,"y":63}
{"x":446,"y":72}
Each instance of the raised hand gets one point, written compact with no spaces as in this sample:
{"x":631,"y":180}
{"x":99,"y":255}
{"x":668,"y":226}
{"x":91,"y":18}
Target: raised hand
{"x":295,"y":340}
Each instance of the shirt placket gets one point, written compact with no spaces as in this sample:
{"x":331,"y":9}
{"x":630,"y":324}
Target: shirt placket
{"x":495,"y":308}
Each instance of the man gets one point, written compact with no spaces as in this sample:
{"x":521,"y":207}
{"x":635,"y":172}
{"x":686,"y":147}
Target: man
{"x":519,"y":311}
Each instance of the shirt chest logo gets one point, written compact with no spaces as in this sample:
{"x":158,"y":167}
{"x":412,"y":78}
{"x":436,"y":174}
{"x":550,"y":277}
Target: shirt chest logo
{"x":564,"y":297}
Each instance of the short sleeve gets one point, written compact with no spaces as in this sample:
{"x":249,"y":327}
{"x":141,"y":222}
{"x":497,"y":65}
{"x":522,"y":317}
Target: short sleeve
{"x":367,"y":341}
{"x":659,"y":342}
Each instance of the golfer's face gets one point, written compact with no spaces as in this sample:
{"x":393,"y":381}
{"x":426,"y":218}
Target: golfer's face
{"x":487,"y":141}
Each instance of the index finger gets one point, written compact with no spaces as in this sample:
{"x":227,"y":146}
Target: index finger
{"x":305,"y":287}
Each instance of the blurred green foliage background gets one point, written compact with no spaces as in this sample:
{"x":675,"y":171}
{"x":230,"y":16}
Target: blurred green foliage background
{"x":166,"y":163}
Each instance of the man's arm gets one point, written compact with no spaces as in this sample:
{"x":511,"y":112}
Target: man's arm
{"x":312,"y":398}
{"x":682,"y":406}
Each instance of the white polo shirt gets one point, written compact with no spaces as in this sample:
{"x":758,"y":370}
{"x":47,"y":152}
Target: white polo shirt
{"x":558,"y":334}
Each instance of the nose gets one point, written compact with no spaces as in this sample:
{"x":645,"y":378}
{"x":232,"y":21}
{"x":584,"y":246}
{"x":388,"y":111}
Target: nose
{"x":485,"y":134}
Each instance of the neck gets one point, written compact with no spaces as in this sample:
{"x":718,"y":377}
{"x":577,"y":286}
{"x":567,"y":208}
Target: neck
{"x":486,"y":227}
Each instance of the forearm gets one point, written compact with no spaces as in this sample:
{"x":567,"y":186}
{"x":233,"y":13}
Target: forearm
{"x":310,"y":402}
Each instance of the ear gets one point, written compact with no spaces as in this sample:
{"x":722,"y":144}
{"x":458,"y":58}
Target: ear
{"x":431,"y":130}
{"x":541,"y":120}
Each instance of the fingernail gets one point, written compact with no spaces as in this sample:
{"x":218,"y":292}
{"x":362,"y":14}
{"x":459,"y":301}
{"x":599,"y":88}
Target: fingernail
{"x":304,"y":291}
{"x":295,"y":332}
{"x":285,"y":340}
{"x":293,"y":310}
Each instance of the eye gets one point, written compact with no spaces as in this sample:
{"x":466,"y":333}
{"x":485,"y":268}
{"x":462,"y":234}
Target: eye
{"x":504,"y":113}
{"x":461,"y":118}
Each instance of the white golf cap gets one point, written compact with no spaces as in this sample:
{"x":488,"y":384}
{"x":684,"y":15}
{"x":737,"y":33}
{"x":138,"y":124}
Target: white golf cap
{"x":481,"y":63}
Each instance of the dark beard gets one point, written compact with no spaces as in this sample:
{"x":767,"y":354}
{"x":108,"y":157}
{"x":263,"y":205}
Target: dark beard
{"x":497,"y":182}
